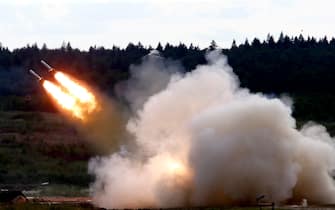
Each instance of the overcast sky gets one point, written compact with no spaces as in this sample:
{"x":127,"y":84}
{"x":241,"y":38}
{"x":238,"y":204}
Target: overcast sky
{"x":117,"y":22}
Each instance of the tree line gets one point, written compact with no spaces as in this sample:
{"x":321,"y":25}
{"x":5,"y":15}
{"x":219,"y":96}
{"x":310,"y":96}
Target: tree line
{"x":302,"y":67}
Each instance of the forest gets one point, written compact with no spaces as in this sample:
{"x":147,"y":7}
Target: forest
{"x":300,"y":67}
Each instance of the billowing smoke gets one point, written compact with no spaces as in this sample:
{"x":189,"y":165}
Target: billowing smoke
{"x":204,"y":141}
{"x":148,"y":78}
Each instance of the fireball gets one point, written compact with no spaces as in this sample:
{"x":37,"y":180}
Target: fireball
{"x":71,"y":96}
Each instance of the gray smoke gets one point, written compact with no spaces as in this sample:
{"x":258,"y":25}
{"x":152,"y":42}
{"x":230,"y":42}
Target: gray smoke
{"x":202,"y":141}
{"x":148,"y":78}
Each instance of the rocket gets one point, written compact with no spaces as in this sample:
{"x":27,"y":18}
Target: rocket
{"x":50,"y":69}
{"x":38,"y":77}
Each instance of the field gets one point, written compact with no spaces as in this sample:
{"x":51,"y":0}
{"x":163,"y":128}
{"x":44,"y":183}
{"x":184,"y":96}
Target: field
{"x":42,"y":154}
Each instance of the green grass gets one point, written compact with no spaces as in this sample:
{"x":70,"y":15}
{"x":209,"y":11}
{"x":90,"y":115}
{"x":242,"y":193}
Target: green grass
{"x":27,"y":164}
{"x":42,"y":147}
{"x":58,"y":190}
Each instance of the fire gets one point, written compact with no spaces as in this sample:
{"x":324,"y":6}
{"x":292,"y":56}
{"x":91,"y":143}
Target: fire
{"x":71,"y":96}
{"x":176,"y":167}
{"x":78,"y":91}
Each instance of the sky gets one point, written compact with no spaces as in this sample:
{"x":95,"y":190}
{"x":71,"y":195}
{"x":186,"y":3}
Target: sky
{"x":86,"y":23}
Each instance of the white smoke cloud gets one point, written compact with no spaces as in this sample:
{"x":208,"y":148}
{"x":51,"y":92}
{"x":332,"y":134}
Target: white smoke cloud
{"x":148,"y":78}
{"x":202,"y":140}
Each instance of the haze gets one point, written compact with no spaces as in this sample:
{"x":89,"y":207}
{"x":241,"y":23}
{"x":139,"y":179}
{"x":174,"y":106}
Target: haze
{"x":118,"y":22}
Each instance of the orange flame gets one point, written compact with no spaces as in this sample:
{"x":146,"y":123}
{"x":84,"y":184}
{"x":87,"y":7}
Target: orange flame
{"x":73,"y":98}
{"x":78,"y":91}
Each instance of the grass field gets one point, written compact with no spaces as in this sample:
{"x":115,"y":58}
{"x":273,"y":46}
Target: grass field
{"x":38,"y":147}
{"x":42,"y":147}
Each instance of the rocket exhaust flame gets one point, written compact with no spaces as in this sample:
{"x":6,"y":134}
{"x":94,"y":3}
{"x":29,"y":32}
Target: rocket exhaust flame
{"x":69,"y":95}
{"x":102,"y":127}
{"x":77,"y":90}
{"x":66,"y":101}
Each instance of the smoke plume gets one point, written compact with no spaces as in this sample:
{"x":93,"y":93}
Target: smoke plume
{"x":148,"y":78}
{"x":204,"y":141}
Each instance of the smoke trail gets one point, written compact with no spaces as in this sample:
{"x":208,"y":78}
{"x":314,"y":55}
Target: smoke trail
{"x":103,"y":128}
{"x":202,"y":140}
{"x":148,"y":78}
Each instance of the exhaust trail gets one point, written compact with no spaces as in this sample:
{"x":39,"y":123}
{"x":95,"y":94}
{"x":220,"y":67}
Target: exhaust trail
{"x":96,"y":117}
{"x":79,"y":91}
{"x":65,"y":100}
{"x":68,"y":93}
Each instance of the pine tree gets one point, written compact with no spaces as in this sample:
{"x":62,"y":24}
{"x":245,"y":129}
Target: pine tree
{"x":233,"y":45}
{"x":213,"y":45}
{"x":159,"y":47}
